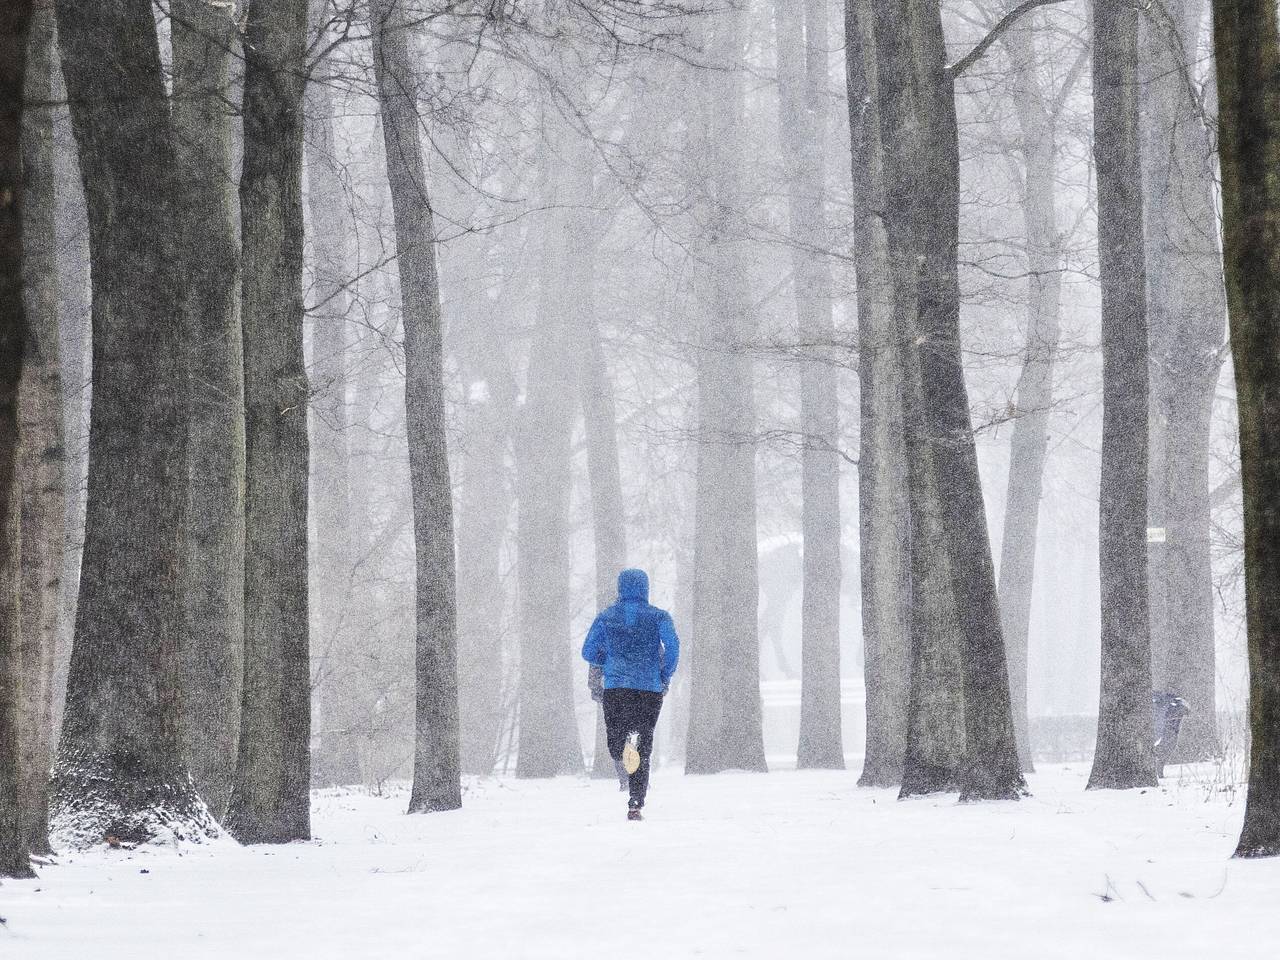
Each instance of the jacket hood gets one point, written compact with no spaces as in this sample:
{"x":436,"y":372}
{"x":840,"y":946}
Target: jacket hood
{"x":633,"y":585}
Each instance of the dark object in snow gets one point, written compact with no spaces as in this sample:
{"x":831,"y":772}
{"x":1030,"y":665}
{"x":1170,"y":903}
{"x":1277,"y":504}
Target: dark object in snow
{"x":1167,"y":711}
{"x":633,"y":813}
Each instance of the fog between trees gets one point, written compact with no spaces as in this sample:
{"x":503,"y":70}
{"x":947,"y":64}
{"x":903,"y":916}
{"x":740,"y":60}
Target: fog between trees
{"x":365,"y":343}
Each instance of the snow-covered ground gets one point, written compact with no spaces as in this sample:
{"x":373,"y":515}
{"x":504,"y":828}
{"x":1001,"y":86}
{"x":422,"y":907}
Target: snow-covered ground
{"x":784,"y":865}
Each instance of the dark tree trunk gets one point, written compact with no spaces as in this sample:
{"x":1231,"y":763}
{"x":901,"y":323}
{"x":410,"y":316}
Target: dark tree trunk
{"x":1187,"y":303}
{"x":1247,"y":50}
{"x":15,"y":20}
{"x":120,"y":769}
{"x":1123,"y":757}
{"x":40,"y":450}
{"x":1028,"y":447}
{"x":213,"y":591}
{"x":436,"y":766}
{"x":883,"y":521}
{"x":725,"y":722}
{"x":270,"y":802}
{"x":549,"y":743}
{"x":803,"y":81}
{"x":922,"y":169}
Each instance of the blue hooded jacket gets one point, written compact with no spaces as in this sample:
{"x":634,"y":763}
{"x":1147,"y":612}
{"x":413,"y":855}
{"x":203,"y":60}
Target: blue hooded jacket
{"x":634,"y":642}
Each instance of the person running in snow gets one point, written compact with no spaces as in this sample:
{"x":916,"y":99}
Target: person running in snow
{"x":633,"y":651}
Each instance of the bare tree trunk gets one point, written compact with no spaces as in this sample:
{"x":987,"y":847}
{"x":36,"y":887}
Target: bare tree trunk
{"x":549,"y":743}
{"x":725,"y":715}
{"x":883,"y":522}
{"x":1028,"y":447}
{"x":608,"y":515}
{"x":74,"y":336}
{"x":803,"y":80}
{"x":120,"y":769}
{"x":1247,"y":50}
{"x":213,"y":633}
{"x":270,"y":802}
{"x":483,"y":514}
{"x":1123,"y":757}
{"x":1187,"y":303}
{"x":436,"y":766}
{"x":918,"y":128}
{"x":40,"y":448}
{"x":331,"y":573}
{"x":15,"y":21}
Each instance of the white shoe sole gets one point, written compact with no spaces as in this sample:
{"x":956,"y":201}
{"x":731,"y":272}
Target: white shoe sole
{"x":630,"y":755}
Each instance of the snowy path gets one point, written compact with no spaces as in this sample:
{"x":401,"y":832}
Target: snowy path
{"x":787,"y":865}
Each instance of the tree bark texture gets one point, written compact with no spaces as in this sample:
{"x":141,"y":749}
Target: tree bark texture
{"x":803,"y":91}
{"x":15,"y":21}
{"x":922,"y":168}
{"x":40,"y":450}
{"x":120,"y":769}
{"x":1246,"y":43}
{"x":1028,"y":446}
{"x":436,"y":764}
{"x":270,"y":801}
{"x":1123,"y":756}
{"x":1187,"y":304}
{"x":883,"y":518}
{"x":725,"y":714}
{"x":213,"y":590}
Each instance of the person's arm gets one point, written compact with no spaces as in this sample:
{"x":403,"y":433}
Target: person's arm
{"x":593,"y":650}
{"x":670,"y":648}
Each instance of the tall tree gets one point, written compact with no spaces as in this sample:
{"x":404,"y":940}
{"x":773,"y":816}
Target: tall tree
{"x":1036,"y":109}
{"x":1246,"y":41}
{"x":15,"y":20}
{"x":436,"y":766}
{"x":883,"y":520}
{"x":120,"y":769}
{"x":922,"y":185}
{"x":40,"y":449}
{"x":725,"y":724}
{"x":331,"y":570}
{"x":203,"y":36}
{"x":1187,"y":304}
{"x":1123,"y":757}
{"x":595,"y":393}
{"x":270,"y":801}
{"x":549,"y":743}
{"x":803,"y":95}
